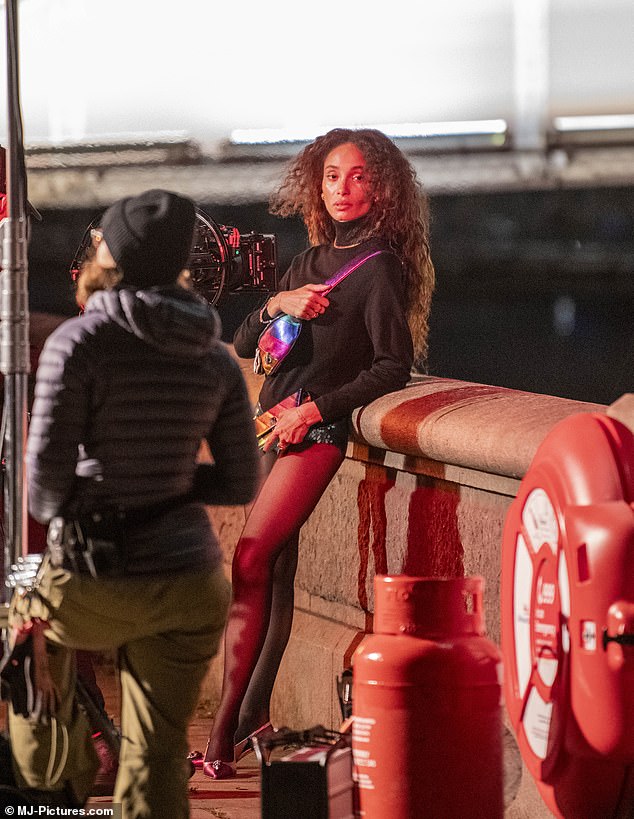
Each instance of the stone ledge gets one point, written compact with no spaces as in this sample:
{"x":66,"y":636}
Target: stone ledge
{"x":474,"y":478}
{"x":475,"y":426}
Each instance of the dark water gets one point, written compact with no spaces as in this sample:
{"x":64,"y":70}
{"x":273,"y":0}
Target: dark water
{"x":535,"y":290}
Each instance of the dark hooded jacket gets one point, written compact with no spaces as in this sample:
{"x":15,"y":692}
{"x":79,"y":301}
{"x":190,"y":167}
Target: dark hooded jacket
{"x":124,"y":396}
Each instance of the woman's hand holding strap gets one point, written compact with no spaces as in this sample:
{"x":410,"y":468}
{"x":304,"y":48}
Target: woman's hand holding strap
{"x":292,"y":425}
{"x":305,"y":302}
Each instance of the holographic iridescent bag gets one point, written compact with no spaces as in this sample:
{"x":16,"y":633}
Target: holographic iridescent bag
{"x":275,"y":343}
{"x":279,"y":337}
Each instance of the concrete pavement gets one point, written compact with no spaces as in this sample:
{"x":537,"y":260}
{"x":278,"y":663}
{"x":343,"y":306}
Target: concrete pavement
{"x":237,"y":798}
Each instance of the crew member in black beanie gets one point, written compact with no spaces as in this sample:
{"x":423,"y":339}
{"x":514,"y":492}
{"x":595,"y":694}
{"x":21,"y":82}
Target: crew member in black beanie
{"x":144,"y":239}
{"x":150,"y":236}
{"x":125,"y":393}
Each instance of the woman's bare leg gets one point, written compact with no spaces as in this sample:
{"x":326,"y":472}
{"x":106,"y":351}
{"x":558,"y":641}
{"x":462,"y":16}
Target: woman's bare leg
{"x":288,"y":496}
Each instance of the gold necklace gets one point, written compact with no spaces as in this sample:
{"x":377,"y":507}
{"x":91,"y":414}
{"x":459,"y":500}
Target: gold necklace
{"x":344,"y":247}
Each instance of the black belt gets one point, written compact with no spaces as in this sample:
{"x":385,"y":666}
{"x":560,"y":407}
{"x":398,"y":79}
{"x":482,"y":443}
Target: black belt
{"x":95,"y":542}
{"x":142,"y":514}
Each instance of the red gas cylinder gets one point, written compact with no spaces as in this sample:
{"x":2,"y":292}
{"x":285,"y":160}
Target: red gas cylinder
{"x":426,"y":698}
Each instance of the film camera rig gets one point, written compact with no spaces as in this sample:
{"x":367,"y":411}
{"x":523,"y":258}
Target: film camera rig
{"x":222,"y":259}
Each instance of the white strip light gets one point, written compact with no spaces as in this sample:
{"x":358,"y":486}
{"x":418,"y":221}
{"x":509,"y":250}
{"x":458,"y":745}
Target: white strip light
{"x":404,"y":130}
{"x":605,"y":122}
{"x":114,"y":138}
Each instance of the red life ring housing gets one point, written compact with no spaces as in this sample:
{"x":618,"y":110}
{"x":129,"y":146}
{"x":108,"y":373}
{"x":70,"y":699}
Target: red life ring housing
{"x":568,"y":616}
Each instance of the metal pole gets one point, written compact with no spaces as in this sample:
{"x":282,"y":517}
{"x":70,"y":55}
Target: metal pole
{"x":14,"y":314}
{"x":532,"y":73}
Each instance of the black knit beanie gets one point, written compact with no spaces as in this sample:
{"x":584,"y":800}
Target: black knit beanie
{"x":150,"y":236}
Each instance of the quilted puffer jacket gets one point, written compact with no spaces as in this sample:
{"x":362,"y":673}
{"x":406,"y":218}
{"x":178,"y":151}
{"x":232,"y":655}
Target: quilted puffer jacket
{"x":124,"y":396}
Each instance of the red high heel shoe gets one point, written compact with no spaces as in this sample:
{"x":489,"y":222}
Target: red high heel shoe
{"x":196,"y":758}
{"x":219,"y":769}
{"x":245,"y":746}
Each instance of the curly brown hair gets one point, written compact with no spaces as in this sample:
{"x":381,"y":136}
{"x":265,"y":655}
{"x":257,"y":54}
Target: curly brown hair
{"x":400,"y":211}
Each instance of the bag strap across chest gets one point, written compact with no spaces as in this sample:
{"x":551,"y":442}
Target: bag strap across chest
{"x":278,"y":338}
{"x":350,"y":267}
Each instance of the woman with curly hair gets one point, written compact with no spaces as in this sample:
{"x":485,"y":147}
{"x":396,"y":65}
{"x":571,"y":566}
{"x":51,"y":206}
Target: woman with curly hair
{"x":356,"y":193}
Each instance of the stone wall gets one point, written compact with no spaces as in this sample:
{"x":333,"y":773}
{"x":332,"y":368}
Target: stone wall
{"x":429,"y":476}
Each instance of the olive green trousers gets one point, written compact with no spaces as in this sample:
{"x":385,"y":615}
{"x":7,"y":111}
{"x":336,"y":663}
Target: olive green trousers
{"x":166,"y":629}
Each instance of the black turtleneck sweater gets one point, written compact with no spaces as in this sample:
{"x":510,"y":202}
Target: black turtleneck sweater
{"x":360,"y":348}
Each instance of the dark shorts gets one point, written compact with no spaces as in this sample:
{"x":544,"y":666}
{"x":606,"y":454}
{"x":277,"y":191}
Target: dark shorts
{"x":335,"y":433}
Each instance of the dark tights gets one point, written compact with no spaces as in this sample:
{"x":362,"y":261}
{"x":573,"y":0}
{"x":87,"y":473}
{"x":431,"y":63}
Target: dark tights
{"x":263,"y":574}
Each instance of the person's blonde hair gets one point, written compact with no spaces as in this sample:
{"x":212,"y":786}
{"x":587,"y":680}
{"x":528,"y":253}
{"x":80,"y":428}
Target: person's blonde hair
{"x":400,"y":212}
{"x":93,"y":277}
